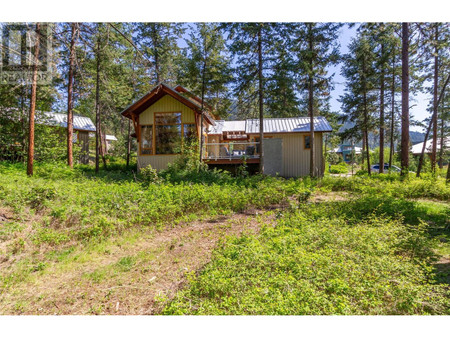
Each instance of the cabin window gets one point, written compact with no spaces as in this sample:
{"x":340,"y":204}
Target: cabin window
{"x":307,"y":143}
{"x":167,"y":133}
{"x":147,"y":140}
{"x":190,"y":132}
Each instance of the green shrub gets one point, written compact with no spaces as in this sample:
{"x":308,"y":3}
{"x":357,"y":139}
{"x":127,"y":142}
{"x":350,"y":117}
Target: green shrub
{"x":318,"y":266}
{"x":341,"y":168}
{"x":150,"y":175}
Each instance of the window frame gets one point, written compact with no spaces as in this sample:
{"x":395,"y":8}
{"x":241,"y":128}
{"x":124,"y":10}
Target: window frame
{"x":153,"y":140}
{"x":171,"y":124}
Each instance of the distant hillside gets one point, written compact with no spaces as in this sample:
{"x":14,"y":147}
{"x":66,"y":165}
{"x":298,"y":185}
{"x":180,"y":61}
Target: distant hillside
{"x":416,"y":137}
{"x":374,"y":141}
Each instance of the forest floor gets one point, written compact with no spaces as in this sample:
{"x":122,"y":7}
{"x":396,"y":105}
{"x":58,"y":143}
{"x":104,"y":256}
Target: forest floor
{"x":125,"y":275}
{"x":335,"y":246}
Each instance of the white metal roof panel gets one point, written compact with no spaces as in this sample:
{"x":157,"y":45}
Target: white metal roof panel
{"x":287,"y":125}
{"x":226,"y":126}
{"x":110,"y":138}
{"x":79,"y":122}
{"x":417,"y":148}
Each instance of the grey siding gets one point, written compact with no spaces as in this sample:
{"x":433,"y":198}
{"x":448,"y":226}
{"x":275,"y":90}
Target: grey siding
{"x":296,"y":157}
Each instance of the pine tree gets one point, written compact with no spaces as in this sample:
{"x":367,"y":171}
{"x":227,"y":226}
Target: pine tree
{"x":33,"y":101}
{"x":404,"y":155}
{"x":383,"y":38}
{"x":316,"y":48}
{"x":252,"y":46}
{"x":73,"y":38}
{"x":434,"y":46}
{"x":159,"y":43}
{"x":360,"y":97}
{"x":206,"y":60}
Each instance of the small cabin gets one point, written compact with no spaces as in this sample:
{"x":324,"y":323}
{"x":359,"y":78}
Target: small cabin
{"x":83,"y":130}
{"x":165,"y":118}
{"x":82,"y":126}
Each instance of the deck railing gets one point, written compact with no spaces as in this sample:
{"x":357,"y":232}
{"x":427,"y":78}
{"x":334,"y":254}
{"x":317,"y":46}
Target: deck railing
{"x":231,"y":150}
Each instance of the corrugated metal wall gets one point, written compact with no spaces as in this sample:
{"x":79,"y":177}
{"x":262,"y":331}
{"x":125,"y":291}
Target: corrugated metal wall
{"x":165,"y":104}
{"x":159,"y":162}
{"x":296,"y":157}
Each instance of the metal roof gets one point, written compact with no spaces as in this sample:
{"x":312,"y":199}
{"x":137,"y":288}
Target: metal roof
{"x":225,"y":126}
{"x":271,"y":125}
{"x":56,"y":119}
{"x":287,"y":125}
{"x":110,"y":138}
{"x":358,"y":150}
{"x":417,"y":148}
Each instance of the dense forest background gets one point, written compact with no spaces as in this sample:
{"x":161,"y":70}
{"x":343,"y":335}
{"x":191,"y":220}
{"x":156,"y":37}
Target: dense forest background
{"x":243,"y":69}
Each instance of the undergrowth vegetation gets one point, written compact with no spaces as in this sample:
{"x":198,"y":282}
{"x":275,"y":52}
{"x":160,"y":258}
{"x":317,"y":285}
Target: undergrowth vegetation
{"x":323,"y":259}
{"x":370,"y":252}
{"x":82,"y":206}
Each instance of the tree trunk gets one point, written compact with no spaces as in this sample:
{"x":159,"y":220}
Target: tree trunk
{"x":441,"y":150}
{"x":381,"y":159}
{"x":391,"y":149}
{"x":205,"y":51}
{"x":23,"y":119}
{"x":369,"y":170}
{"x":448,"y":174}
{"x":312,"y":164}
{"x":70,"y":96}
{"x":363,"y":148}
{"x":102,"y":149}
{"x":435,"y":98}
{"x":422,"y":154}
{"x":33,"y":102}
{"x":366,"y":117}
{"x":129,"y":143}
{"x":129,"y":120}
{"x":97,"y":106}
{"x":156,"y":53}
{"x":405,"y":100}
{"x":261,"y":102}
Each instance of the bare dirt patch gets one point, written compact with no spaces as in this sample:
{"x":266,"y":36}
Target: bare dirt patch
{"x":126,"y":276}
{"x":333,"y":196}
{"x":443,"y":270}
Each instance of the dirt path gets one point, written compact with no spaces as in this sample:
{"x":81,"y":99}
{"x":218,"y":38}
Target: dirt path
{"x":127,"y":275}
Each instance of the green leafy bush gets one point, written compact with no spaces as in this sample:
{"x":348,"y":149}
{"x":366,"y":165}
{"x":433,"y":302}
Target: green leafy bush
{"x":150,"y":175}
{"x":341,"y":168}
{"x":87,"y":206}
{"x":307,"y":265}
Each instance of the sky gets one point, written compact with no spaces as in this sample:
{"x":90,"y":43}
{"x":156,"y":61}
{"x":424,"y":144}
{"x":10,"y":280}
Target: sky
{"x":418,"y":103}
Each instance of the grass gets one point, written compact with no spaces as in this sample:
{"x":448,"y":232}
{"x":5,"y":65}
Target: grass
{"x":374,"y":253}
{"x":77,"y":242}
{"x":81,"y":206}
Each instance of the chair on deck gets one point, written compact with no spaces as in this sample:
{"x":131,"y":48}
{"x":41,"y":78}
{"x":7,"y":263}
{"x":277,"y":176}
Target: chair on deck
{"x":250,"y":150}
{"x":223,"y":152}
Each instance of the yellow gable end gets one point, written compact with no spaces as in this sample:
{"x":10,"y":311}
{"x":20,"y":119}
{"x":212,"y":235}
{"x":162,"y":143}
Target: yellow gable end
{"x":164,"y":105}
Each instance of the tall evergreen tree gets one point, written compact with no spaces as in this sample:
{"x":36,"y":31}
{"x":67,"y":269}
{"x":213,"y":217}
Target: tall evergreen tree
{"x":253,"y":48}
{"x":73,"y":38}
{"x":206,"y":66}
{"x":33,"y":101}
{"x":159,"y":42}
{"x":383,"y":38}
{"x":405,"y":100}
{"x":316,"y":48}
{"x":359,"y":98}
